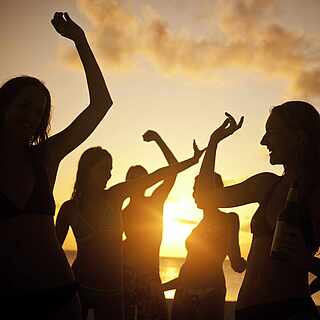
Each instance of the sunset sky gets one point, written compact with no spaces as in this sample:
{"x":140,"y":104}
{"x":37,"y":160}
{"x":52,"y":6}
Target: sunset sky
{"x":174,"y":66}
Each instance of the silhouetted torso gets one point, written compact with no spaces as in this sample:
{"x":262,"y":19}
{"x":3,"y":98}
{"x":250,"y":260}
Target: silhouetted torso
{"x":31,"y":257}
{"x":40,"y":200}
{"x":143,"y":227}
{"x":98,"y":233}
{"x":207,"y":247}
{"x":259,"y":286}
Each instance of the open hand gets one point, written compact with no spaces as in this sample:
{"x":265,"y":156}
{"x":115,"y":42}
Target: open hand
{"x":67,"y":27}
{"x":197,"y":153}
{"x":150,"y":135}
{"x":228,"y":127}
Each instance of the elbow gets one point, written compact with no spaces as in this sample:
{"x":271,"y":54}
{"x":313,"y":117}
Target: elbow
{"x":110,"y":102}
{"x":102,"y":103}
{"x":107,"y":103}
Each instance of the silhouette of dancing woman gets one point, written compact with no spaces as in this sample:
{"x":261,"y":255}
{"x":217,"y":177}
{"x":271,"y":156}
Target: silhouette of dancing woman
{"x":200,"y":287}
{"x":142,"y":220}
{"x":37,"y":281}
{"x":94,"y":214}
{"x":273,"y":288}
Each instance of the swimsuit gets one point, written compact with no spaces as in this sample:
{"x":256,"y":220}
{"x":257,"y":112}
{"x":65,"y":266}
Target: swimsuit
{"x":41,"y":200}
{"x":295,"y":309}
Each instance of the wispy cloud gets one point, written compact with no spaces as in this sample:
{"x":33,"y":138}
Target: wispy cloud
{"x":252,"y":39}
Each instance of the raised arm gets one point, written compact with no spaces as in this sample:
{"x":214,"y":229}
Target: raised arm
{"x":238,"y":263}
{"x":123,"y":190}
{"x":206,"y":175}
{"x":63,"y":222}
{"x":163,"y":190}
{"x":251,"y":190}
{"x":100,"y":101}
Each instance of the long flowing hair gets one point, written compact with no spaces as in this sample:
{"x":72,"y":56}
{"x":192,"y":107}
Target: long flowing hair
{"x":300,"y":116}
{"x":8,"y":92}
{"x":89,"y":158}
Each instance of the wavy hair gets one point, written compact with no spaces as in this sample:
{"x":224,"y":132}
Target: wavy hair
{"x":89,"y":158}
{"x":301,"y":116}
{"x":8,"y":92}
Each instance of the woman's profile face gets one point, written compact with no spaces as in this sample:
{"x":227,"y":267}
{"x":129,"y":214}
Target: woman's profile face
{"x":281,"y":141}
{"x":100,"y":173}
{"x":24,"y":115}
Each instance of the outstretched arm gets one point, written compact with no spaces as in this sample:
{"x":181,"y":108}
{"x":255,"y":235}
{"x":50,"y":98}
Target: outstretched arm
{"x":123,"y":190}
{"x":238,"y":263}
{"x":100,"y":100}
{"x":63,"y":222}
{"x":163,"y":190}
{"x":170,"y":285}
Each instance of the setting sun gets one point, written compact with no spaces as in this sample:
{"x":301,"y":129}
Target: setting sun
{"x":180,"y":217}
{"x":176,"y":68}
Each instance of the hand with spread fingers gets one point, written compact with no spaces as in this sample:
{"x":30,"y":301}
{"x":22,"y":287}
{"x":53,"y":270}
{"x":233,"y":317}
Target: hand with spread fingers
{"x":65,"y":26}
{"x":228,"y":127}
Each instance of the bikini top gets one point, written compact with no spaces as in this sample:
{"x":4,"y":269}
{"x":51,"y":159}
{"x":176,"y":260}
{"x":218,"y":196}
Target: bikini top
{"x":41,"y":200}
{"x":261,"y":227}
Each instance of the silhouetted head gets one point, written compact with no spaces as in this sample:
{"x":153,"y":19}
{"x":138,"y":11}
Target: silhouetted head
{"x":135,"y":172}
{"x":25,"y":105}
{"x":94,"y":170}
{"x":292,"y":134}
{"x":200,"y":197}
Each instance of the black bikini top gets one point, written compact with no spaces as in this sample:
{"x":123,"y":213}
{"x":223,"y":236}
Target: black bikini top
{"x":41,"y":200}
{"x":261,"y":227}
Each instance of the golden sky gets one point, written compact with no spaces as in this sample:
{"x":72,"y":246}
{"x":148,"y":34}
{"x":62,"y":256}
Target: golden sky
{"x":174,"y":66}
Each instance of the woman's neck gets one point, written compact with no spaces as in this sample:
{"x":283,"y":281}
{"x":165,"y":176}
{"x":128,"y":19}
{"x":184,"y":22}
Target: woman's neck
{"x":211,"y":215}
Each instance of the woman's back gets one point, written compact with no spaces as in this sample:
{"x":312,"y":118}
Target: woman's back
{"x":143,"y":224}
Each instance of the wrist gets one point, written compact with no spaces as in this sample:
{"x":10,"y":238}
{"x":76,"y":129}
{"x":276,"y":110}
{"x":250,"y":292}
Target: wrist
{"x":214,"y":139}
{"x":80,"y":39}
{"x":157,"y":139}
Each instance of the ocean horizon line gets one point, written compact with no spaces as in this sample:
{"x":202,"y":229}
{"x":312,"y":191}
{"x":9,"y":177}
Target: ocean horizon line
{"x":164,"y":257}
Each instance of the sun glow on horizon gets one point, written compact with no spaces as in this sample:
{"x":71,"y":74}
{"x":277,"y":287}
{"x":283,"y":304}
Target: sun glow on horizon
{"x":179,"y":218}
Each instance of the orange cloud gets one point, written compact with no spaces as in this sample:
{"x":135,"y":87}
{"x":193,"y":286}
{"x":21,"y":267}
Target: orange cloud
{"x":252,"y":40}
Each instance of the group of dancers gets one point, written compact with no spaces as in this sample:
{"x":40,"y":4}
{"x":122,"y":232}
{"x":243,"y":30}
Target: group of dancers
{"x":119,"y":279}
